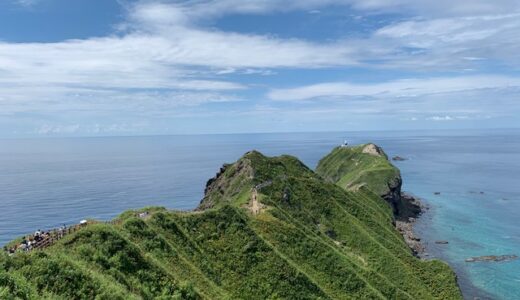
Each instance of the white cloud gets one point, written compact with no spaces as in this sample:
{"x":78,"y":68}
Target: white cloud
{"x":163,"y":49}
{"x":397,"y":88}
{"x":47,"y":129}
{"x":71,"y":129}
{"x":440,"y":7}
{"x":165,"y":56}
{"x":458,"y":118}
{"x":159,"y":50}
{"x":27,"y":3}
{"x":449,"y":42}
{"x":214,"y":8}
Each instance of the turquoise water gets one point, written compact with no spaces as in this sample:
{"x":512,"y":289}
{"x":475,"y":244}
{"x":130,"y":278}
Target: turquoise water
{"x":475,"y":224}
{"x":47,"y":182}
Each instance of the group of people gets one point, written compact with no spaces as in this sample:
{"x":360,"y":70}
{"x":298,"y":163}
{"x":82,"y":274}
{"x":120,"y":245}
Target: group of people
{"x":31,"y":242}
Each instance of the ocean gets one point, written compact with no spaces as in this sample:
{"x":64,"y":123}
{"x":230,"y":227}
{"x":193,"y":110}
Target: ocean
{"x":45,"y":183}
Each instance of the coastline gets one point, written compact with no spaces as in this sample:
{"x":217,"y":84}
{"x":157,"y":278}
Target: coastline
{"x":415,"y":232}
{"x":405,"y":221}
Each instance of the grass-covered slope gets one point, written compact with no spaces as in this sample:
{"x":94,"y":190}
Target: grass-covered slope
{"x":366,"y":166}
{"x":268,"y":228}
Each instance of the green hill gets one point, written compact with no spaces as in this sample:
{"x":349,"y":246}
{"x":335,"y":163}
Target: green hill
{"x":267,"y":228}
{"x":367,"y":166}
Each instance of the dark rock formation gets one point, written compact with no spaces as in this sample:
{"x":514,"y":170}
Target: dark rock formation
{"x":226,"y":183}
{"x":393,"y":196}
{"x":492,"y":258}
{"x":398,"y":158}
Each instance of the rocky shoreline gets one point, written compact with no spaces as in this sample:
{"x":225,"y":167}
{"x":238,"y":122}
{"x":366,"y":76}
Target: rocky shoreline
{"x":413,"y":208}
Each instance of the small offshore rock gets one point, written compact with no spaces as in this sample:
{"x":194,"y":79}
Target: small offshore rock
{"x":437,"y":193}
{"x":441,"y":242}
{"x":398,"y":158}
{"x":492,"y":258}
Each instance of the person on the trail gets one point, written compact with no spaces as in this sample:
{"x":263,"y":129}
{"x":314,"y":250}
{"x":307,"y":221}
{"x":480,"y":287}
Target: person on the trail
{"x":38,"y":235}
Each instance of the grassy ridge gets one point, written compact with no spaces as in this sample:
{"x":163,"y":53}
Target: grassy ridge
{"x":350,"y":167}
{"x":311,"y":240}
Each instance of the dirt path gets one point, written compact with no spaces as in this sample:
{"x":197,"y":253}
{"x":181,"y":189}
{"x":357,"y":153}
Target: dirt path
{"x":255,"y":206}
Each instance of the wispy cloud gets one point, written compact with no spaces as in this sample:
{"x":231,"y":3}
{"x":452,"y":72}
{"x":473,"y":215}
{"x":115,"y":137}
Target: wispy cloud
{"x":397,"y":88}
{"x":166,"y":55}
{"x":160,"y":50}
{"x":215,"y":8}
{"x":27,"y":3}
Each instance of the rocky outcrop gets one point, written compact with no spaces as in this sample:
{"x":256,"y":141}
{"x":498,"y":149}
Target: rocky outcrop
{"x":406,"y":230}
{"x":398,"y":158}
{"x":404,"y":205}
{"x":393,"y":196}
{"x":227,"y":182}
{"x":374,"y":150}
{"x":492,"y":258}
{"x":409,"y":207}
{"x":441,"y":242}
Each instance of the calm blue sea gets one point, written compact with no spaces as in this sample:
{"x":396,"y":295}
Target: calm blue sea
{"x":47,"y":182}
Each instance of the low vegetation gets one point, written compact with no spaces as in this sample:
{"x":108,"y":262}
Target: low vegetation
{"x":313,"y":239}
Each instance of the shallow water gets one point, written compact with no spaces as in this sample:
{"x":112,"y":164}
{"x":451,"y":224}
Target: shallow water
{"x":47,"y":182}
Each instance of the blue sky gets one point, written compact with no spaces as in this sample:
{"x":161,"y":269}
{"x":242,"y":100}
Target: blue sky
{"x":107,"y":67}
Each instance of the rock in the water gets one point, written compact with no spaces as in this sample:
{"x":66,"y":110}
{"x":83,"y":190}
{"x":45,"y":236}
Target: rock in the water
{"x":398,"y":158}
{"x":441,"y":242}
{"x":492,"y":258}
{"x":437,"y":193}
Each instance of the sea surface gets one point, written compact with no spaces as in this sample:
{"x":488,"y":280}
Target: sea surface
{"x":45,"y":183}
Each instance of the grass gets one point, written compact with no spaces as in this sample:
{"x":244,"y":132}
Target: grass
{"x":349,"y":167}
{"x":316,"y":241}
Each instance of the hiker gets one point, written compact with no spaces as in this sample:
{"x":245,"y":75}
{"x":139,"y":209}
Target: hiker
{"x":61,"y":231}
{"x":38,"y":235}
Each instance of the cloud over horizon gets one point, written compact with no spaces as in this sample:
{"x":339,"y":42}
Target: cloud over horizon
{"x":168,"y":57}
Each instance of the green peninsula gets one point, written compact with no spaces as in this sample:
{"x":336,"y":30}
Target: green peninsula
{"x":267,"y":228}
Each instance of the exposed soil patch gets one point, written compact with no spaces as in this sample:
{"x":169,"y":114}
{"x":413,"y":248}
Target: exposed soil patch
{"x":254,"y":205}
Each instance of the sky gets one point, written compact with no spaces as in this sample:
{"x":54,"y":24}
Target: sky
{"x":143,"y":67}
